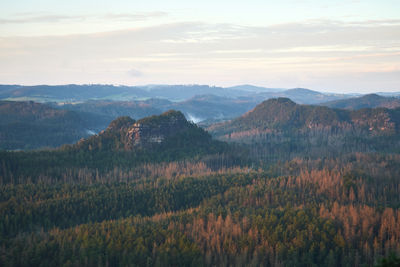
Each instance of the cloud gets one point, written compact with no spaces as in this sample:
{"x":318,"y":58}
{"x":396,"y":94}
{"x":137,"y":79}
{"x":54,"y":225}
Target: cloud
{"x":188,"y":39}
{"x":42,"y":19}
{"x":30,"y":17}
{"x":301,"y":54}
{"x":134,"y":73}
{"x":326,"y":25}
{"x":134,"y":16}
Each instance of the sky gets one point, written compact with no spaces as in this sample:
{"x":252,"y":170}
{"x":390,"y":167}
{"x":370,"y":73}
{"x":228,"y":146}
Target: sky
{"x":324,"y":45}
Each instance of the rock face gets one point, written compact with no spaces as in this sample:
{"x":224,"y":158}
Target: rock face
{"x":155,"y":129}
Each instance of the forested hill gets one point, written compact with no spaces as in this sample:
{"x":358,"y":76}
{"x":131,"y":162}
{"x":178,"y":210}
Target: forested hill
{"x":283,"y":116}
{"x":170,"y":130}
{"x":29,"y":125}
{"x":366,"y":101}
{"x":125,"y":143}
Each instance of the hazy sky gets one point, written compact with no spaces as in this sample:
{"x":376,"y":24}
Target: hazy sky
{"x":326,"y":45}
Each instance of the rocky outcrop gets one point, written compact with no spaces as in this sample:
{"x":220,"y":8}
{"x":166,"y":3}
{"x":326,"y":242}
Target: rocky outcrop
{"x":153,"y":130}
{"x":121,"y":123}
{"x":127,"y":134}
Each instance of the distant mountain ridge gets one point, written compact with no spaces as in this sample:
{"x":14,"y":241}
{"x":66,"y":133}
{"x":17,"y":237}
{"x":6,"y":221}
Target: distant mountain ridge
{"x":252,"y":88}
{"x":281,"y":115}
{"x":80,"y":93}
{"x":366,"y":101}
{"x":88,"y":109}
{"x":199,"y":103}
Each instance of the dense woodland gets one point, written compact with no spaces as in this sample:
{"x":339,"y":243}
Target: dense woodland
{"x":366,"y":101}
{"x":30,"y":125}
{"x":194,"y":201}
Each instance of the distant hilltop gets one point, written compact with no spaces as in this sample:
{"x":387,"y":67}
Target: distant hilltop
{"x":283,"y":116}
{"x":170,"y":129}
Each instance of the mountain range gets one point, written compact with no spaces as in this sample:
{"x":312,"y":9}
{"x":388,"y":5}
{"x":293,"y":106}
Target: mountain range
{"x":81,"y":110}
{"x":79,"y":93}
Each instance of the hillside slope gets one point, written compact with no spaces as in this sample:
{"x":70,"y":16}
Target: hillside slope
{"x":366,"y":101}
{"x":29,"y":125}
{"x":283,"y":116}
